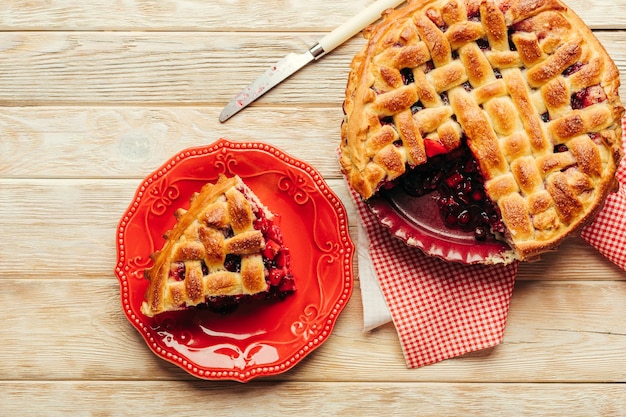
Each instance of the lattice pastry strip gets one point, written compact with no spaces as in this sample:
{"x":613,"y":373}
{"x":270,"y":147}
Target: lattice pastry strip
{"x":524,"y":83}
{"x":224,"y":245}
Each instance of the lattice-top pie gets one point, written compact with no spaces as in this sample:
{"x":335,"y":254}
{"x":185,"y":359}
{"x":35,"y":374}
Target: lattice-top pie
{"x":524,"y":85}
{"x":225,"y":248}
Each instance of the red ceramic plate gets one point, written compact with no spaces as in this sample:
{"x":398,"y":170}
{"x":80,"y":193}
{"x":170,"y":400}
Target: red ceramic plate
{"x":417,"y":222}
{"x":255,"y":340}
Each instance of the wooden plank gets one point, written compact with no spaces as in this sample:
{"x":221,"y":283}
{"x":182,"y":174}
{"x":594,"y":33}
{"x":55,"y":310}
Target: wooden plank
{"x":165,"y":399}
{"x":51,"y":224}
{"x":265,"y":15}
{"x":132,"y":142}
{"x":154,"y":68}
{"x":556,"y":332}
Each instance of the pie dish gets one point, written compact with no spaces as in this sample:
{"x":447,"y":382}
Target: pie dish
{"x":522,"y":85}
{"x":250,"y":341}
{"x":225,"y":249}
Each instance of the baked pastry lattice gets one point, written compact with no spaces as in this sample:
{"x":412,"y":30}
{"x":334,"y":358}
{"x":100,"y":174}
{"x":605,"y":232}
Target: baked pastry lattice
{"x":225,"y":248}
{"x":524,"y":83}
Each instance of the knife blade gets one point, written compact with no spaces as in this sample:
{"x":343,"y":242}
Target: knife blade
{"x":293,"y":62}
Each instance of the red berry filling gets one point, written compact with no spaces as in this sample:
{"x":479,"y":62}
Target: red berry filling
{"x":276,"y":258}
{"x":177,"y":271}
{"x":232,"y":263}
{"x":587,"y":97}
{"x":573,"y":69}
{"x":407,"y":76}
{"x":460,"y":192}
{"x":433,"y":148}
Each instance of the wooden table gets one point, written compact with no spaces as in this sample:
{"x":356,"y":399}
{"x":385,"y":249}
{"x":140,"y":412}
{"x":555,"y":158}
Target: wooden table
{"x":96,"y":94}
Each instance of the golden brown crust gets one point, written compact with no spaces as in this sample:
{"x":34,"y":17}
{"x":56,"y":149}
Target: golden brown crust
{"x":517,"y":78}
{"x":218,"y":222}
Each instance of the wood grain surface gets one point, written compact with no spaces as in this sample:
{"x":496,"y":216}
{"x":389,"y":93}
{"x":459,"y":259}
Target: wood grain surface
{"x":95,"y":95}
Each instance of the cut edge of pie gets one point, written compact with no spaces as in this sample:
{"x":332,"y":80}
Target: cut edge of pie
{"x":525,"y":82}
{"x":224,"y":249}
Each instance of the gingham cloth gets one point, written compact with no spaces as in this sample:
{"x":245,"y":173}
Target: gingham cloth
{"x":442,"y":309}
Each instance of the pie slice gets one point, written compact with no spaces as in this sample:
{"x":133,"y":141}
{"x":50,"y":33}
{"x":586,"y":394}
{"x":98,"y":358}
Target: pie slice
{"x":224,"y":249}
{"x":520,"y":87}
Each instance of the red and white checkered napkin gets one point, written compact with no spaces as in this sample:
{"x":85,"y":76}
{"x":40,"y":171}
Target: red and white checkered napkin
{"x":442,"y":309}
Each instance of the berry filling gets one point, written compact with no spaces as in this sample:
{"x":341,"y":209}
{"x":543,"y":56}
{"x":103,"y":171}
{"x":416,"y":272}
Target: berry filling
{"x":407,"y":76}
{"x":459,"y":188}
{"x":177,"y":271}
{"x":473,"y":15}
{"x":483,"y":44}
{"x":573,"y":69}
{"x":232,"y":263}
{"x":587,"y":97}
{"x":417,"y":107}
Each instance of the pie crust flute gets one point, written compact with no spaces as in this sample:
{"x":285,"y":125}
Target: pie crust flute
{"x":524,"y":84}
{"x":225,"y":246}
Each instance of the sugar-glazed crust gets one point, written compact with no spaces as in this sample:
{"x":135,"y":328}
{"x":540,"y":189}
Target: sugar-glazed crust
{"x":525,"y":82}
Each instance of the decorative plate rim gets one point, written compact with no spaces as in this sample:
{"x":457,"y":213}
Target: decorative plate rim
{"x":346,"y":252}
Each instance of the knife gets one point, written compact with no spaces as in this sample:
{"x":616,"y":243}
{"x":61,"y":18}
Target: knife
{"x":293,"y":62}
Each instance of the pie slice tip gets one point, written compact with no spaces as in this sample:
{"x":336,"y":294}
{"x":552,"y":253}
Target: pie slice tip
{"x":224,"y":248}
{"x":524,"y":86}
